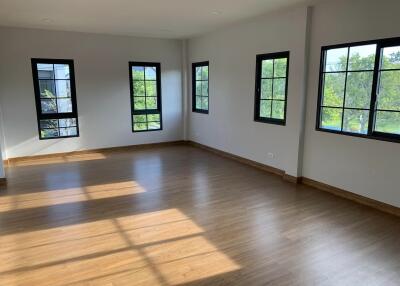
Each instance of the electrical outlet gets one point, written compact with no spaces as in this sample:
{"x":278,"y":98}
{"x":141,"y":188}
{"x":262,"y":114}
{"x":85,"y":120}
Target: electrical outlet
{"x":271,"y":155}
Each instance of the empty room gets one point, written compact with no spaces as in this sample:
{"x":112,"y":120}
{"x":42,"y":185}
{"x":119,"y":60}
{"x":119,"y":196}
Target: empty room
{"x":186,"y":143}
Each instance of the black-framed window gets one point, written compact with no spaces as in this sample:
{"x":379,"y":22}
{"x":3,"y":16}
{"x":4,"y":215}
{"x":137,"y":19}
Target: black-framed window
{"x":359,"y":89}
{"x":200,"y":87}
{"x":54,"y":85}
{"x":145,"y":86}
{"x":272,"y":72}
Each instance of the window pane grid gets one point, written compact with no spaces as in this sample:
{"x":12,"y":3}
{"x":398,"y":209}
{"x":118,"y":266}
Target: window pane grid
{"x":387,"y":122}
{"x":202,"y":100}
{"x":146,"y":122}
{"x":352,"y":115}
{"x":370,"y":101}
{"x":55,"y":98}
{"x":44,"y":70}
{"x":387,"y":107}
{"x":146,"y":105}
{"x":200,"y":87}
{"x":271,"y":87}
{"x":55,"y":128}
{"x":54,"y":95}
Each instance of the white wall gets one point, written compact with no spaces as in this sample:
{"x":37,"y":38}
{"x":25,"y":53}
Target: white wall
{"x":363,"y":166}
{"x":229,"y":126}
{"x":102,"y":87}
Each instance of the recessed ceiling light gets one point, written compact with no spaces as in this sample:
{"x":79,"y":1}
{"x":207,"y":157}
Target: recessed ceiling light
{"x":216,"y":12}
{"x":47,"y":20}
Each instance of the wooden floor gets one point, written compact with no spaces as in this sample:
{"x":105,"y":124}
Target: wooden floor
{"x":179,"y":215}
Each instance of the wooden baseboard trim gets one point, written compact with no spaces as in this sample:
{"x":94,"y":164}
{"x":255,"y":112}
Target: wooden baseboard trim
{"x":352,"y":196}
{"x":249,"y":162}
{"x":292,"y":179}
{"x":296,"y":180}
{"x":12,"y":161}
{"x":306,"y":181}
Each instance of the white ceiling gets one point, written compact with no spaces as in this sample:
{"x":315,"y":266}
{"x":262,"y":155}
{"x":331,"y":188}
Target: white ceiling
{"x":151,"y":18}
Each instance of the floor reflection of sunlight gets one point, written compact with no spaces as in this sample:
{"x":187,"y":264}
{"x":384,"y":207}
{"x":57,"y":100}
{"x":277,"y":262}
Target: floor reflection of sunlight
{"x":58,"y":159}
{"x":189,"y":259}
{"x":162,"y":232}
{"x":57,"y":197}
{"x":157,"y":248}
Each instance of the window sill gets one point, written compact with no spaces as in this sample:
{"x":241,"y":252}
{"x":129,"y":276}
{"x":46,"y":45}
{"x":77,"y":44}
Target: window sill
{"x":200,"y":111}
{"x":271,"y":121}
{"x":375,"y":136}
{"x":59,"y":137}
{"x":151,"y":130}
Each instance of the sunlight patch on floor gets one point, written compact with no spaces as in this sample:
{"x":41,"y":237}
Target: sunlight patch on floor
{"x":58,"y":159}
{"x":145,"y":221}
{"x":72,"y":195}
{"x":189,"y":259}
{"x":156,"y":248}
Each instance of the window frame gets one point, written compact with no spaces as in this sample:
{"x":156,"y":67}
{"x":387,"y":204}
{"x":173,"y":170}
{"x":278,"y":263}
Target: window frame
{"x":194,"y":66}
{"x":49,"y":116}
{"x":371,"y":133}
{"x":158,"y":110}
{"x":257,"y":97}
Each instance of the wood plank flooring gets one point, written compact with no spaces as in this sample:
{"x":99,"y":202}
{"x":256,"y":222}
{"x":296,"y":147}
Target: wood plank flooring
{"x":179,"y":215}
